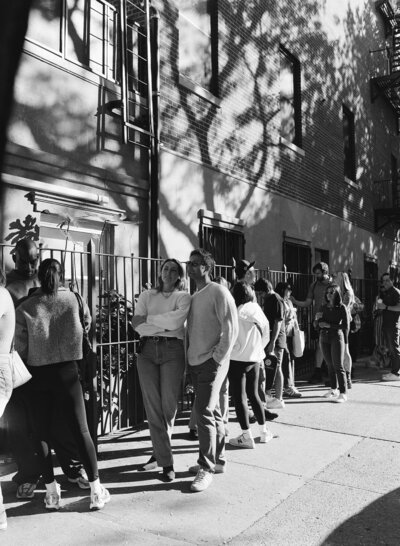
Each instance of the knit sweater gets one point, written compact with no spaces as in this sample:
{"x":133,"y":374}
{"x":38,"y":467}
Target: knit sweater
{"x":212,"y":325}
{"x":250,"y":343}
{"x":165,"y":315}
{"x":48,"y":328}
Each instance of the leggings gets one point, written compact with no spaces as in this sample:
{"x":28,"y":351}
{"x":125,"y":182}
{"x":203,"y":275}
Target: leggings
{"x":243,"y":381}
{"x":57,"y":387}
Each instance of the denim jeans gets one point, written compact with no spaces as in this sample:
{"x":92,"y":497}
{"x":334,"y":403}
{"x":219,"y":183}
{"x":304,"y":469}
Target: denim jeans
{"x":332,"y":346}
{"x":208,"y":378}
{"x":161,"y":366}
{"x":223,"y":404}
{"x":392,"y":338}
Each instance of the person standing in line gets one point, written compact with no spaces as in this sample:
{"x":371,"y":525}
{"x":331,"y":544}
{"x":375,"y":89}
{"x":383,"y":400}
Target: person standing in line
{"x":390,"y":306}
{"x":22,"y":281}
{"x":160,"y":315}
{"x":245,"y":272}
{"x":284,"y":290}
{"x":333,"y":322}
{"x":48,"y":337}
{"x":348,"y":300}
{"x":212,"y":332}
{"x":244,"y":366}
{"x":7,"y":328}
{"x":316,"y":298}
{"x":275,"y":312}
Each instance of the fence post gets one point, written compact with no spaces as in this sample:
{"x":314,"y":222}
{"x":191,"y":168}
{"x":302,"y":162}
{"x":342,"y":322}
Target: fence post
{"x":92,"y":299}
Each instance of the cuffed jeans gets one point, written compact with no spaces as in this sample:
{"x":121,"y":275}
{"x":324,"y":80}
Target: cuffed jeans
{"x":392,"y":338}
{"x":332,"y":346}
{"x":208,"y":378}
{"x":161,"y":366}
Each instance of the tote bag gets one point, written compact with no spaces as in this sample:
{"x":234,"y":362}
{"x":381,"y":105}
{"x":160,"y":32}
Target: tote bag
{"x":298,"y":341}
{"x":20,"y":374}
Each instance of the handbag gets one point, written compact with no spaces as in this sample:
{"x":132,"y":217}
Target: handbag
{"x":299,"y":341}
{"x":87,"y":348}
{"x":20,"y":374}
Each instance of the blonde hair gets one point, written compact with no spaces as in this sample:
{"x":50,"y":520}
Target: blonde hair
{"x":343,"y":281}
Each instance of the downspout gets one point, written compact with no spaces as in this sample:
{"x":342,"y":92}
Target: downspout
{"x":155,"y":141}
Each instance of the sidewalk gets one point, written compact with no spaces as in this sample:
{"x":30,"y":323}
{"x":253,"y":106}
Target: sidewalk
{"x":330,"y":476}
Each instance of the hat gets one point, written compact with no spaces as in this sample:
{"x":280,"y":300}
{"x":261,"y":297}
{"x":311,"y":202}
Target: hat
{"x":242,"y":266}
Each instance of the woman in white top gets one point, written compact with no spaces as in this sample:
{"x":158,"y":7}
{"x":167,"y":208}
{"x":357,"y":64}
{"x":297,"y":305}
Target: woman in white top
{"x":160,"y":316}
{"x":244,"y":366}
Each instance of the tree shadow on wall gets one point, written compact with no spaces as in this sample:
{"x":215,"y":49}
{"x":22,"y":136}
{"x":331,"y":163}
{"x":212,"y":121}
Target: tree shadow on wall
{"x":378,"y":523}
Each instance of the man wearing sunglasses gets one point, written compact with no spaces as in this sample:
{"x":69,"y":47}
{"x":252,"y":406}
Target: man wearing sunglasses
{"x":212,"y":332}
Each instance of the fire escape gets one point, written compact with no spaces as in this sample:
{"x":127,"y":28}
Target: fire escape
{"x":386,"y":84}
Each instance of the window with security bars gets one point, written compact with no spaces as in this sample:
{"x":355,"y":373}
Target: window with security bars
{"x":290,"y":97}
{"x":224,"y":244}
{"x":349,"y":144}
{"x":109,"y":38}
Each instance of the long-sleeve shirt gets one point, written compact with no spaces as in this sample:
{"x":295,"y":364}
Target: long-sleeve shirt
{"x":48,"y":328}
{"x":337,"y":318}
{"x":212,"y":325}
{"x":166,"y":316}
{"x":253,"y":334}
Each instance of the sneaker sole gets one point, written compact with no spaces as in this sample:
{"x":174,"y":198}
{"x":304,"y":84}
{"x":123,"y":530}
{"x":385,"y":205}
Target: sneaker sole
{"x":242,"y":446}
{"x":100,"y":506}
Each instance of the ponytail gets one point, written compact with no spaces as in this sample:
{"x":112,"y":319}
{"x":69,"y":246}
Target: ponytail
{"x":50,"y":276}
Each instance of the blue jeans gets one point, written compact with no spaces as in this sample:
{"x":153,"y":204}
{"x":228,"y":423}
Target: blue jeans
{"x":208,"y":378}
{"x":161,"y":366}
{"x":332,"y":346}
{"x":392,"y":338}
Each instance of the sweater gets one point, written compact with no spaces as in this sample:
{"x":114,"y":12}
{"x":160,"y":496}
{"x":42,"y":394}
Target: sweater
{"x":250,"y":343}
{"x":48,"y":328}
{"x":212,"y":325}
{"x":165,"y":315}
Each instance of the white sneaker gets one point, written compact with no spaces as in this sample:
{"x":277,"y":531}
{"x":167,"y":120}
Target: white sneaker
{"x":219,"y":468}
{"x":3,"y":517}
{"x":269,"y":398}
{"x":331,"y":394}
{"x":243,"y":441}
{"x":266,"y":436}
{"x":202,"y":480}
{"x":52,"y":499}
{"x":391,"y":377}
{"x":341,"y":398}
{"x":275,"y":404}
{"x":99,"y":499}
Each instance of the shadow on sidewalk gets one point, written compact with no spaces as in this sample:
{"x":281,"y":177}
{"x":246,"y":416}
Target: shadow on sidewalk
{"x":378,"y":523}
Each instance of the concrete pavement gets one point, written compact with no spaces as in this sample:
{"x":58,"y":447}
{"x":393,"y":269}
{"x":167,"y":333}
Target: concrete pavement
{"x":330,"y":476}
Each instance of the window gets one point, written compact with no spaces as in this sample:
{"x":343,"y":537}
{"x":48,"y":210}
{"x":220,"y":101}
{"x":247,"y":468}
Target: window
{"x":45,"y":23}
{"x":198,"y":49}
{"x":349,"y":144}
{"x":296,"y":256}
{"x":290,"y":97}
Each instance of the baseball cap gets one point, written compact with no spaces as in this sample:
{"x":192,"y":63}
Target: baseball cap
{"x":242,"y":266}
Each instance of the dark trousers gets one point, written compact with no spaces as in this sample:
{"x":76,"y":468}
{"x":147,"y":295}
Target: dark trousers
{"x":53,"y":388}
{"x":332,"y":346}
{"x":392,"y":338}
{"x":243,"y":381}
{"x":23,"y":446}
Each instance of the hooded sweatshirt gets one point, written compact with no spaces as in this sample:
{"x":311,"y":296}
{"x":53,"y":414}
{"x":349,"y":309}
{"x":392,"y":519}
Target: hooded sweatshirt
{"x":253,"y":334}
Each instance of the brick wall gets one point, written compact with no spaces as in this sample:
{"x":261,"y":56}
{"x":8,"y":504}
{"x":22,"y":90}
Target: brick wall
{"x":242,"y":136}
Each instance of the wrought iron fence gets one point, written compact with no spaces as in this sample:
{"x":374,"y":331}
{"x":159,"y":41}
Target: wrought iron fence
{"x":111,"y":284}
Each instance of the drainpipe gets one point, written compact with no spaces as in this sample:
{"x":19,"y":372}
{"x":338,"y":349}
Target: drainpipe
{"x":155,"y":147}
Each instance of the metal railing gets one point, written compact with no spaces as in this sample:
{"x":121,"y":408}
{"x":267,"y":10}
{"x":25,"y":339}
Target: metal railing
{"x":111,"y":285}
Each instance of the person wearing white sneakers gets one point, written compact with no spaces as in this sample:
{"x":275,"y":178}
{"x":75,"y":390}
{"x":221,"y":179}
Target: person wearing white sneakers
{"x":48,"y":337}
{"x":333,"y":322}
{"x":274,"y":310}
{"x":244,"y":366}
{"x":390,"y":306}
{"x":7,"y":327}
{"x":212,"y":332}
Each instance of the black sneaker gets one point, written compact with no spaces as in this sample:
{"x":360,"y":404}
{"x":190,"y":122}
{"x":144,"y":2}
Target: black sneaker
{"x":269,"y":415}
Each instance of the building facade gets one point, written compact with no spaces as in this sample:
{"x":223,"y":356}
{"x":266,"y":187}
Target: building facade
{"x":252,"y":128}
